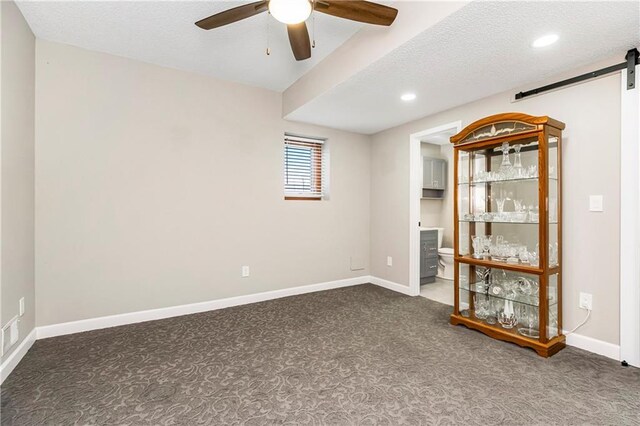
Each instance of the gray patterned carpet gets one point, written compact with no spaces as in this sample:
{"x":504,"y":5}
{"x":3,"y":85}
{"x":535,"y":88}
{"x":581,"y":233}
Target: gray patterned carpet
{"x":358,"y":355}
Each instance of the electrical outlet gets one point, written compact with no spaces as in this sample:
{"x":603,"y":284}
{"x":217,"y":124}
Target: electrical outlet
{"x":245,"y":271}
{"x":21,"y":306}
{"x":389,"y":261}
{"x":14,"y":333}
{"x":586,"y":301}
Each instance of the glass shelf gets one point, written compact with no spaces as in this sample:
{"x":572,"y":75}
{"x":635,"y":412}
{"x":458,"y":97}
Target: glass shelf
{"x":504,"y":222}
{"x":496,"y":327}
{"x":489,"y":263}
{"x":528,"y":179}
{"x":514,"y":296}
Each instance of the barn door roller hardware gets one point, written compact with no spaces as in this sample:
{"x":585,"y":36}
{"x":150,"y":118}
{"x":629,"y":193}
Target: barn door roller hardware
{"x":632,"y":59}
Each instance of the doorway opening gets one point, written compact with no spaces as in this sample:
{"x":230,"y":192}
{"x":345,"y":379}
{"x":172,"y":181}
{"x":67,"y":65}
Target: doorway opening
{"x":431,"y":213}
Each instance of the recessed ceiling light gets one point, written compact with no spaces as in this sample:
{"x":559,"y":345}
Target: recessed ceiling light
{"x":408,"y":97}
{"x":544,"y":41}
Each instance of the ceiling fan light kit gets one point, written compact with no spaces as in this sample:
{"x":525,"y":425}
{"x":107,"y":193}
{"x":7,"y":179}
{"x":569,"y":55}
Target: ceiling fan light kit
{"x":290,"y":11}
{"x":294,"y":13}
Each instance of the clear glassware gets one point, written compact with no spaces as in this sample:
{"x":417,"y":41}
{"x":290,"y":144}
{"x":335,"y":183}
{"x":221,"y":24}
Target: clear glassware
{"x":511,"y":289}
{"x":497,"y":279}
{"x":500,"y":199}
{"x":493,"y":308}
{"x":482,"y":303}
{"x":500,"y":205}
{"x":518,"y":205}
{"x":506,"y":166}
{"x":512,"y":253}
{"x":476,"y":242}
{"x":506,"y":315}
{"x":525,"y":286}
{"x":517,"y":162}
{"x":523,"y":254}
{"x":483,"y":274}
{"x":530,"y":322}
{"x":534,"y":256}
{"x":486,"y":245}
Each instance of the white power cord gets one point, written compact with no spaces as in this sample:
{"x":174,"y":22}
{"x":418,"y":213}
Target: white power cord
{"x":581,"y":324}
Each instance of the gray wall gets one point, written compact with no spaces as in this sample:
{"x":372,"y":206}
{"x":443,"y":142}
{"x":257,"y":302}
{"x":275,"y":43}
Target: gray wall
{"x":17,"y":69}
{"x":154,"y":186}
{"x":591,"y":157}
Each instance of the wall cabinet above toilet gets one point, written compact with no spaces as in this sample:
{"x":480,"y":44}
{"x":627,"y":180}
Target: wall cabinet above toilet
{"x":434,"y":177}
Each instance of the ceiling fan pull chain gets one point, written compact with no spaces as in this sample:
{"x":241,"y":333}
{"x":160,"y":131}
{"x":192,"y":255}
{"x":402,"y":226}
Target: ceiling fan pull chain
{"x":268,"y":48}
{"x":313,"y":24}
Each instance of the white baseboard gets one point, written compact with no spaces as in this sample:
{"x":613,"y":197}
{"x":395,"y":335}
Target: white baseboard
{"x":596,"y":346}
{"x":391,"y":286}
{"x":193,"y":308}
{"x":12,"y":360}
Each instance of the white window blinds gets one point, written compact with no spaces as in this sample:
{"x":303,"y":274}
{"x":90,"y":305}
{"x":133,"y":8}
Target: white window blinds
{"x":303,"y":169}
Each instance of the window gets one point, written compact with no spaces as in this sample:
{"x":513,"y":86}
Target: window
{"x":303,"y":168}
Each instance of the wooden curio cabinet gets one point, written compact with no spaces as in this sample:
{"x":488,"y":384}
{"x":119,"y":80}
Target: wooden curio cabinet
{"x":508,"y":230}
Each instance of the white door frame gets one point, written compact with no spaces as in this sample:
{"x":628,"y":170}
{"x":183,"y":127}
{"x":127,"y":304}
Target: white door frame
{"x":630,"y":222}
{"x":415,"y":193}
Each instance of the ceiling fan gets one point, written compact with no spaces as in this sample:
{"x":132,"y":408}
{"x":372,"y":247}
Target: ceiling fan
{"x":294,"y":13}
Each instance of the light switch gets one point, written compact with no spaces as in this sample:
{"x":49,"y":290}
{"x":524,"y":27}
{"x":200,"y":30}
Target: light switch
{"x":14,"y":333}
{"x":596,"y":203}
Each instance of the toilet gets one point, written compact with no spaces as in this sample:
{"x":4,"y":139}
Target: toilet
{"x":445,"y":259}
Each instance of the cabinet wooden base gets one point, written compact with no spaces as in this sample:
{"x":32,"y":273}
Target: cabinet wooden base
{"x":511,"y":335}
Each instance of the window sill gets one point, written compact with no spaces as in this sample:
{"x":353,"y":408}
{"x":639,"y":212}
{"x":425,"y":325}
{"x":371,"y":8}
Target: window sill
{"x":302,"y":198}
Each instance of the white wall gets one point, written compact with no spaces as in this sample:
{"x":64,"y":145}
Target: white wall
{"x":17,"y":68}
{"x":591,"y":157}
{"x":154,"y":186}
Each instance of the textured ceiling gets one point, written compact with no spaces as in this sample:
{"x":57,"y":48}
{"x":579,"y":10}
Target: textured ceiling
{"x":482,"y":49}
{"x":163,"y":33}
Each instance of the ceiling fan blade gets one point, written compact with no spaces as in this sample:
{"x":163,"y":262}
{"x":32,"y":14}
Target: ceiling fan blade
{"x":299,"y":39}
{"x":233,"y":15}
{"x":358,"y":10}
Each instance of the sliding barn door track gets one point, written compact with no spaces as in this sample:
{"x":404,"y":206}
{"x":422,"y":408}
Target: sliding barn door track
{"x":632,"y":59}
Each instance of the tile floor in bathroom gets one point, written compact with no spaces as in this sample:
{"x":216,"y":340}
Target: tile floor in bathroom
{"x":441,"y":291}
